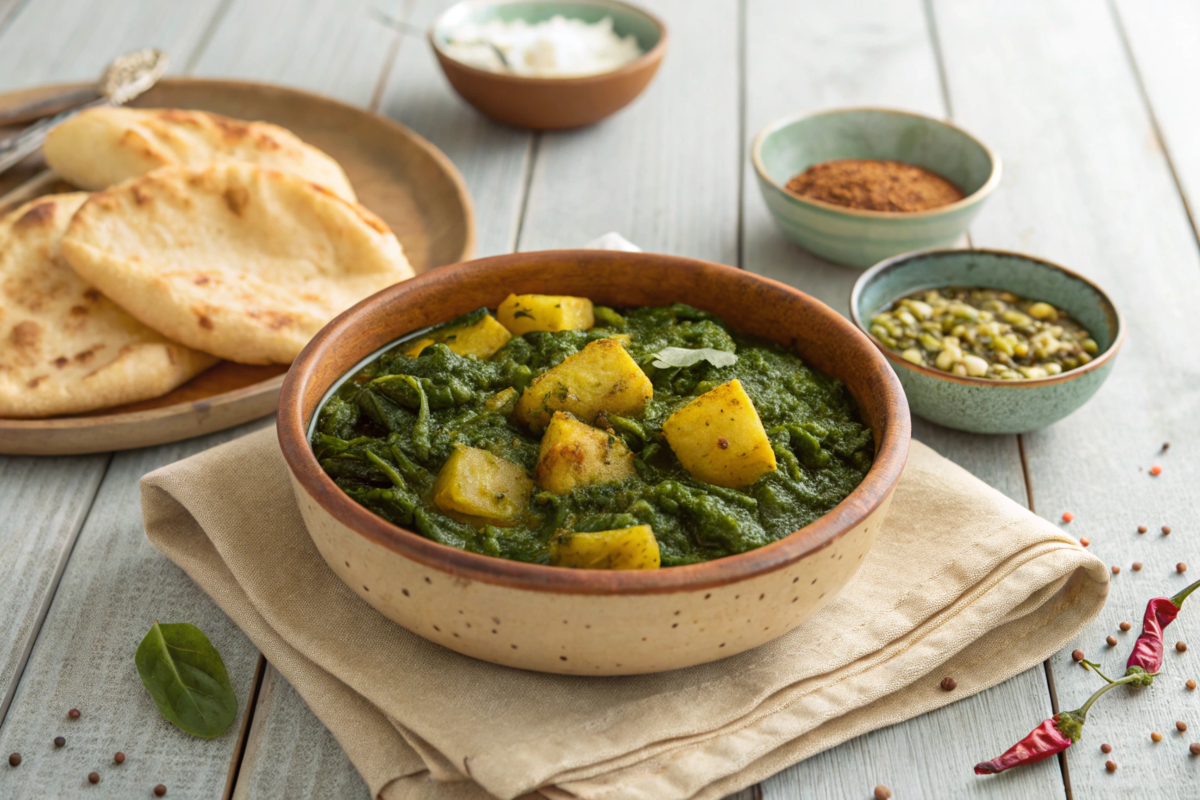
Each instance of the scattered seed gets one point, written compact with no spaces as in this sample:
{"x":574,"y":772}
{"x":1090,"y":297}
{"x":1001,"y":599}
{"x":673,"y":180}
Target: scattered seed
{"x":59,"y":741}
{"x":1111,"y":766}
{"x":1141,"y":528}
{"x":1181,"y":647}
{"x":1194,"y":748}
{"x":1068,"y":516}
{"x":1106,"y":748}
{"x":1077,"y":654}
{"x":1137,"y":566}
{"x":1112,"y":641}
{"x":1181,"y":726}
{"x":1156,"y":736}
{"x":93,"y":777}
{"x":160,"y":790}
{"x":14,"y":760}
{"x":882,"y":792}
{"x":73,"y":713}
{"x":1124,"y":626}
{"x":1156,"y":470}
{"x":119,"y":758}
{"x":1191,"y":684}
{"x":949,"y":684}
{"x":1166,"y":446}
{"x":1181,"y":567}
{"x":1084,"y":541}
{"x":1166,"y":529}
{"x":1116,"y":570}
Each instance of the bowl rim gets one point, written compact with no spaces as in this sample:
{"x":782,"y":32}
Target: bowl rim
{"x":306,"y":472}
{"x":646,"y":59}
{"x":974,"y":198}
{"x":898,"y":261}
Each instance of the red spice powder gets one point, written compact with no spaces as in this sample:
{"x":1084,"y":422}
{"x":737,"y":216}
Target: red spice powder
{"x":875,"y":185}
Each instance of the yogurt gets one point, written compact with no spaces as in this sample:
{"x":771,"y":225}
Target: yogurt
{"x":555,"y":48}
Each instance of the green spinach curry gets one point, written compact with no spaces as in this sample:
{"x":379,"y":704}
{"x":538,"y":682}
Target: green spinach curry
{"x":558,"y":432}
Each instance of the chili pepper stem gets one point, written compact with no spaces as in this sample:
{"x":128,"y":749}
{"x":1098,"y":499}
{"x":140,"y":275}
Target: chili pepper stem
{"x":1179,"y":598}
{"x":1094,"y":667}
{"x":1083,"y":709}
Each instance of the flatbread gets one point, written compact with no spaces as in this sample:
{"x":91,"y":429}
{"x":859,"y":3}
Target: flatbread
{"x":64,"y":347}
{"x":239,"y":261}
{"x":102,"y":147}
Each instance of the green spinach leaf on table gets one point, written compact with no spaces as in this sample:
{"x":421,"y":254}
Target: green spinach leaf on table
{"x":186,"y":677}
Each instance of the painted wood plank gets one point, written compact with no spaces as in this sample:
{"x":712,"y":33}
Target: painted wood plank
{"x":45,"y":501}
{"x":114,"y":587}
{"x":804,"y":57}
{"x":663,"y":171}
{"x":334,"y":47}
{"x":1049,"y":85}
{"x":1162,"y":39}
{"x":494,"y":159}
{"x":54,"y":41}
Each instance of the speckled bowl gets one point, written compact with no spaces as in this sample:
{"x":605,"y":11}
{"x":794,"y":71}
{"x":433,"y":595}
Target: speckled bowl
{"x":858,"y":238}
{"x":983,"y":405}
{"x":594,"y":622}
{"x":551,"y":103}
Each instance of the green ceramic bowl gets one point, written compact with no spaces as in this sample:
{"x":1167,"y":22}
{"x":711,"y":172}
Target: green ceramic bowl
{"x":857,"y":238}
{"x":982,"y":405}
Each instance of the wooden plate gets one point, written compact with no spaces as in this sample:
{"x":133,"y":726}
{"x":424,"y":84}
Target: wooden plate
{"x":403,"y":178}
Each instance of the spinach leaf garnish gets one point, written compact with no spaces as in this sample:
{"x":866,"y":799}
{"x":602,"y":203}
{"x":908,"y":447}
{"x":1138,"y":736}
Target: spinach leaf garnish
{"x":683,"y":357}
{"x":186,"y":677}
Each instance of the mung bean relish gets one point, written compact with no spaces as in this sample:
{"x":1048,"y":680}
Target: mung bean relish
{"x":983,"y":333}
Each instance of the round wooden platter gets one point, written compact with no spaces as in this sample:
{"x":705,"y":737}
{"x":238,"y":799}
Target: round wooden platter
{"x":397,"y":174}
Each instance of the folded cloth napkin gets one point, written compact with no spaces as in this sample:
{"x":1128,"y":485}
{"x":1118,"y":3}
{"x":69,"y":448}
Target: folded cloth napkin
{"x":962,"y":582}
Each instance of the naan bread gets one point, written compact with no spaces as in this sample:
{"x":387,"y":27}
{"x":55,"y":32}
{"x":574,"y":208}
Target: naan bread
{"x":232,"y":259}
{"x":101,"y":147}
{"x":64,"y":347}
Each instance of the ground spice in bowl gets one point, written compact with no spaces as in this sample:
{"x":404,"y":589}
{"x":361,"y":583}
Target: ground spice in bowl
{"x":875,"y":185}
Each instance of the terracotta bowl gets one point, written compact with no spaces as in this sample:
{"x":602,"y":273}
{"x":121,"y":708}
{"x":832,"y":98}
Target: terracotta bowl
{"x":591,"y":622}
{"x":551,"y":103}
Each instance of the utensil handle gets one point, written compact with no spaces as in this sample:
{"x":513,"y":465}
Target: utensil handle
{"x":15,"y":148}
{"x":31,"y":112}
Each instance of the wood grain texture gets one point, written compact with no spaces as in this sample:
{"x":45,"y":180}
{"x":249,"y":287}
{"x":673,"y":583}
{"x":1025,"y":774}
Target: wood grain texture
{"x":114,"y":587}
{"x":804,"y":57}
{"x":335,"y":47}
{"x":494,"y":159}
{"x":55,"y":41}
{"x":663,"y":172}
{"x":1049,"y":84}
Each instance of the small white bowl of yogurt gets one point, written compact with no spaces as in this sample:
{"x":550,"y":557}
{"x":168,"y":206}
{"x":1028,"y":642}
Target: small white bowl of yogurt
{"x":548,"y":65}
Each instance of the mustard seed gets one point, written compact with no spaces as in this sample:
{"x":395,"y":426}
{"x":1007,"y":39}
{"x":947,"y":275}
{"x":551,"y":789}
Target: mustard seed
{"x":1112,"y":641}
{"x":1137,"y":566}
{"x":949,"y":684}
{"x":119,"y":758}
{"x":1116,"y":570}
{"x":1155,"y":736}
{"x":1141,"y":529}
{"x":1166,"y":446}
{"x":1181,"y":567}
{"x":1077,"y":654}
{"x":1166,"y":529}
{"x":1111,"y":766}
{"x":882,"y":792}
{"x":160,"y":790}
{"x":93,"y":777}
{"x":73,"y":713}
{"x":1181,"y":647}
{"x":1106,"y":748}
{"x":1084,"y":541}
{"x":1191,"y":684}
{"x":59,"y":741}
{"x":1124,"y":626}
{"x":14,"y":760}
{"x":1181,"y":726}
{"x":1194,"y":748}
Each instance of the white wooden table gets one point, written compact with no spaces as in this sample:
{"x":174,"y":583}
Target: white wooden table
{"x":1093,"y":107}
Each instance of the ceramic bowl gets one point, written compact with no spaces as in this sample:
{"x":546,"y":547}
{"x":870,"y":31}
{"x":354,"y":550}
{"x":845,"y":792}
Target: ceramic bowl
{"x":551,"y":103}
{"x":858,"y":238}
{"x":594,"y":622}
{"x":983,"y":405}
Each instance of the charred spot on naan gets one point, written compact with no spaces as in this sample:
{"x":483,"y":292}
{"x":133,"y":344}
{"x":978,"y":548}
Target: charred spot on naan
{"x":40,"y":215}
{"x":237,"y":198}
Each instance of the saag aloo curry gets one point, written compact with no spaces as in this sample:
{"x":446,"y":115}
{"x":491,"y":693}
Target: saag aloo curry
{"x":562,"y":433}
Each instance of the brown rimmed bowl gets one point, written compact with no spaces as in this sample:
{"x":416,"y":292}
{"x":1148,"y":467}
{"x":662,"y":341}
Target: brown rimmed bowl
{"x":986,"y":405}
{"x":591,"y":622}
{"x":551,"y":103}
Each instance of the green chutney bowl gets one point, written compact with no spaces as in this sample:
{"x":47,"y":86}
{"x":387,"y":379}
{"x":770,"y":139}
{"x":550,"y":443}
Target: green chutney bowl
{"x":985,"y":405}
{"x":858,"y":238}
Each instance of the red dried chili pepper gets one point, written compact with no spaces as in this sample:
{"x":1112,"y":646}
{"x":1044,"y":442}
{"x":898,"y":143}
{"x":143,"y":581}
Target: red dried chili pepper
{"x":1147,"y":656}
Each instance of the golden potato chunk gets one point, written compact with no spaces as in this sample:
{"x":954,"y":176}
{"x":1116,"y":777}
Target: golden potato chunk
{"x":478,"y":487}
{"x":481,"y":339}
{"x":719,"y":439}
{"x":627,"y":548}
{"x":600,"y":377}
{"x":522,"y":313}
{"x":575,"y":455}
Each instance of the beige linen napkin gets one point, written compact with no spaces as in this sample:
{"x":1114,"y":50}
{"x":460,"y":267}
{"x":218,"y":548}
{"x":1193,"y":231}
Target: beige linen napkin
{"x":961,"y":581}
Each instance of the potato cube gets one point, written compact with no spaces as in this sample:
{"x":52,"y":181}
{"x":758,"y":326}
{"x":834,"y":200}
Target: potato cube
{"x":600,"y":377}
{"x":522,"y":313}
{"x":627,"y":548}
{"x":478,"y":487}
{"x":575,"y":455}
{"x":481,"y":339}
{"x":719,"y":438}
